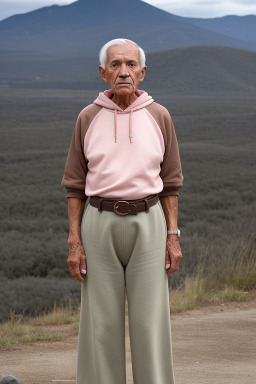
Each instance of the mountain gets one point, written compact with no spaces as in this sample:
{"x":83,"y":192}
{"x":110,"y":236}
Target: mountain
{"x":84,"y":26}
{"x":237,"y":27}
{"x":190,"y":70}
{"x":58,"y":46}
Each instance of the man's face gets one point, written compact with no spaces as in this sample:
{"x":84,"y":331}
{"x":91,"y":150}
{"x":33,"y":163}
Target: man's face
{"x":122,"y":70}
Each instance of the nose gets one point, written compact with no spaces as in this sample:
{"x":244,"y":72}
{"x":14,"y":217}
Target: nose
{"x":123,"y":71}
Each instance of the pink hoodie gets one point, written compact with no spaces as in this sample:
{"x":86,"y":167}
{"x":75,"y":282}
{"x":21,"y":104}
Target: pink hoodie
{"x":104,"y":100}
{"x":127,"y":154}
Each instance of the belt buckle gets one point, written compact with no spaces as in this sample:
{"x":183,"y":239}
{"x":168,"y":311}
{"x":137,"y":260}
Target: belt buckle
{"x":125,"y":208}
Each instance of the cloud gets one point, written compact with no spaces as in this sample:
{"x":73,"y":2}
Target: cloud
{"x":203,"y":3}
{"x":12,"y":7}
{"x":207,"y":8}
{"x":36,"y":4}
{"x":190,"y":8}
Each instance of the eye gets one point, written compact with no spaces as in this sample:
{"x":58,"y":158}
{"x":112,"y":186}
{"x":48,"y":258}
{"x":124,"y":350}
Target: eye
{"x":113,"y":65}
{"x":132,"y":65}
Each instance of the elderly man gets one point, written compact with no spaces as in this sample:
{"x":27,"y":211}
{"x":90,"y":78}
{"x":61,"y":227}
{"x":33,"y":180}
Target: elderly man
{"x":124,"y":156}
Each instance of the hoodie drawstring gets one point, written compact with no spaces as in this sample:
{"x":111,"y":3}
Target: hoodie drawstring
{"x":115,"y":125}
{"x":130,"y":126}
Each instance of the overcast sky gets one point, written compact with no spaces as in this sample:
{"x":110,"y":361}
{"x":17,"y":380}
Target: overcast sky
{"x":193,"y":8}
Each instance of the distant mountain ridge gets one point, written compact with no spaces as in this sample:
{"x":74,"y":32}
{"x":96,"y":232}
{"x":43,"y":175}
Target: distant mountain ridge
{"x":86,"y":25}
{"x":238,"y":27}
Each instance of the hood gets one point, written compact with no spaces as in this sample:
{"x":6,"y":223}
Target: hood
{"x":105,"y":101}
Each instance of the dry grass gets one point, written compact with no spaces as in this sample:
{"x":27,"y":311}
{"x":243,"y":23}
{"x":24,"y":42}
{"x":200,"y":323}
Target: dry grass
{"x":59,"y":315}
{"x":199,"y":291}
{"x":235,"y":282}
{"x":20,"y":330}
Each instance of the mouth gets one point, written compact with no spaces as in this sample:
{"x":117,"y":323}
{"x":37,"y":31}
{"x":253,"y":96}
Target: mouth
{"x":123,"y":83}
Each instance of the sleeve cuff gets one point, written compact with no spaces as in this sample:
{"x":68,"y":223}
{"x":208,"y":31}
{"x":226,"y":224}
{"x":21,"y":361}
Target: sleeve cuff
{"x":169,"y":191}
{"x":76,"y":194}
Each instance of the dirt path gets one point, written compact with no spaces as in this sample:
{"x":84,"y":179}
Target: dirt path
{"x":211,"y":345}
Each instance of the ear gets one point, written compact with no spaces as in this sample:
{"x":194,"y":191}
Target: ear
{"x":143,"y":73}
{"x":102,"y":73}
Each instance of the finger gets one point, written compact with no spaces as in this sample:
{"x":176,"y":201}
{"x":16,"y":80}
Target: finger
{"x":171,"y":270}
{"x":74,"y":269}
{"x":83,"y":265}
{"x":167,"y":260}
{"x":175,"y":265}
{"x":79,"y":278}
{"x":74,"y":272}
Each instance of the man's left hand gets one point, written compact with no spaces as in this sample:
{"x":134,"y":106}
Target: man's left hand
{"x":172,"y":254}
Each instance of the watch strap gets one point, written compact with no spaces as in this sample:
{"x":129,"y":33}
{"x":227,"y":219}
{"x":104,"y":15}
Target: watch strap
{"x":177,"y":232}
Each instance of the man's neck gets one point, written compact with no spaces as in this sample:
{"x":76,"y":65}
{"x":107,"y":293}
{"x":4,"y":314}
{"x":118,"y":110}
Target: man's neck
{"x":124,"y":101}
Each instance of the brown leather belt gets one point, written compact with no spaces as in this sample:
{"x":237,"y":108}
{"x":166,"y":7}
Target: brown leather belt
{"x":123,"y":207}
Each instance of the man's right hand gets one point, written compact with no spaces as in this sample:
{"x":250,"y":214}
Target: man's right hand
{"x":76,"y":260}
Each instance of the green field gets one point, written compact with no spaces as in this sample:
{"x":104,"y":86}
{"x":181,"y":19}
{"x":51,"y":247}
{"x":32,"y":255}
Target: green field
{"x":217,"y":208}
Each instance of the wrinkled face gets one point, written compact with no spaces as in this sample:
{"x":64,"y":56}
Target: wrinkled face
{"x":122,"y":71}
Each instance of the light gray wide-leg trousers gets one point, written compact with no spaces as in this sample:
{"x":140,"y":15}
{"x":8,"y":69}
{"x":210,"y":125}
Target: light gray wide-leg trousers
{"x":124,"y":251}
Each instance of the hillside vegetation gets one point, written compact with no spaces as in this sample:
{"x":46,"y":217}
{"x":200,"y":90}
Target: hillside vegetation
{"x":192,"y":70}
{"x":216,"y":134}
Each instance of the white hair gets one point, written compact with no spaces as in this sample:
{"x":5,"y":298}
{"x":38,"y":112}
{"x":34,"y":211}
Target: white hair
{"x":104,"y":48}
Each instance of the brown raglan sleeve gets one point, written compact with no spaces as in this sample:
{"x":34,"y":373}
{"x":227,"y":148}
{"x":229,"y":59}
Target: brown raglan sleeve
{"x":171,"y":170}
{"x":76,"y":165}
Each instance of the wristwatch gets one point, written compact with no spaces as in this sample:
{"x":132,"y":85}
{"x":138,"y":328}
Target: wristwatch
{"x":174,"y":232}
